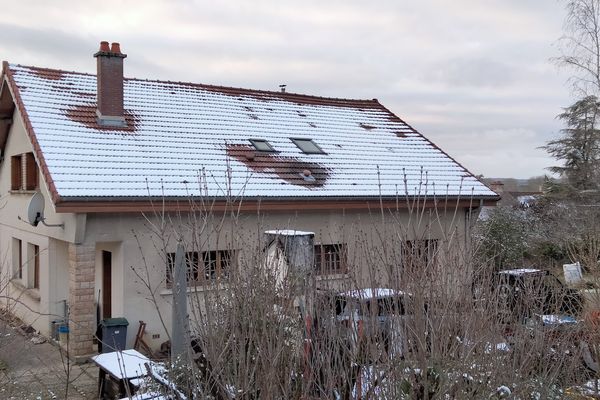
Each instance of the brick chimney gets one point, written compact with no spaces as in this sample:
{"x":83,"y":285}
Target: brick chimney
{"x":110,"y":110}
{"x":497,"y":186}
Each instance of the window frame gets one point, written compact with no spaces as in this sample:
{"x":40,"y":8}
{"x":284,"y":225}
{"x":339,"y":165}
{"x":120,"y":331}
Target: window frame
{"x":299,"y":141}
{"x":17,"y":253}
{"x":198,"y":273}
{"x":424,"y":251}
{"x":35,"y":268}
{"x":24,"y":175}
{"x":331,"y":258}
{"x":257,"y":142}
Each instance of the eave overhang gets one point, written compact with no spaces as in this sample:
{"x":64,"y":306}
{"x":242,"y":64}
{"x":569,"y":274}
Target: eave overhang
{"x":253,"y":204}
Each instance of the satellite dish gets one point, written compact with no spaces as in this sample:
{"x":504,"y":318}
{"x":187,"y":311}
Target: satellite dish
{"x":35,"y":209}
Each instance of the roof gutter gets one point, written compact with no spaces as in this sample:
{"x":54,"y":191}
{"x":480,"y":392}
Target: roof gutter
{"x":245,"y":204}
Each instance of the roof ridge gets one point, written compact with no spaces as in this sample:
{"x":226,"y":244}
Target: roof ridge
{"x":63,"y":71}
{"x":207,"y":86}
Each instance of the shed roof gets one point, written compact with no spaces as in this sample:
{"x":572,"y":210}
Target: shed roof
{"x":185,"y":139}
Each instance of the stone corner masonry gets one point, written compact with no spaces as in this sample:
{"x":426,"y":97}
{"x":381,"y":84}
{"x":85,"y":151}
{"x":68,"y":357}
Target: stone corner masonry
{"x":82,"y":315}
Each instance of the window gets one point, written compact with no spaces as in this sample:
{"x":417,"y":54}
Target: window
{"x":262,"y":145}
{"x":33,"y":263}
{"x":419,"y":252}
{"x":212,"y":266}
{"x":24,"y":172}
{"x":216,"y":264}
{"x":307,"y":146}
{"x":330,"y":259}
{"x":17,"y":258}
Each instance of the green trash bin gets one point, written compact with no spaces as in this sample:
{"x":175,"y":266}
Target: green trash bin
{"x":112,"y":334}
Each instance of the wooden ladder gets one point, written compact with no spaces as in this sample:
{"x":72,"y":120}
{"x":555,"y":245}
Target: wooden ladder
{"x":140,"y":343}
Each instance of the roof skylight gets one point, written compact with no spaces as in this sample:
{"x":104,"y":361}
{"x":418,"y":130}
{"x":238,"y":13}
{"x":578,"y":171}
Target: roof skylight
{"x":262,"y":145}
{"x":307,"y":146}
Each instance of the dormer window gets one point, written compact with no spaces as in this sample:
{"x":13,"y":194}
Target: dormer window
{"x":262,"y":145}
{"x":24,"y":172}
{"x":307,"y":146}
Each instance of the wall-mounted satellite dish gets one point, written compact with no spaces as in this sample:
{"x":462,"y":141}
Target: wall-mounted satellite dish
{"x":35,"y":211}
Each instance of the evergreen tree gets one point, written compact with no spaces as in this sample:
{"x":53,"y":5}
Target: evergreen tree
{"x":579,"y":146}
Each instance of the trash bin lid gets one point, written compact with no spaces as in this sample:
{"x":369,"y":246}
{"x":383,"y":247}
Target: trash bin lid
{"x":114,"y":322}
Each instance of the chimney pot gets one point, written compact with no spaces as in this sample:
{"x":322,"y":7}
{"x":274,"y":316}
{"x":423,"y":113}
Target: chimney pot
{"x":104,"y":46}
{"x":115,"y":48}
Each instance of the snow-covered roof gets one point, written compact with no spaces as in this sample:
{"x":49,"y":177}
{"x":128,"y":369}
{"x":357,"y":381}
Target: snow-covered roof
{"x":371,"y":293}
{"x":186,"y":139}
{"x":520,"y":271}
{"x":288,"y":232}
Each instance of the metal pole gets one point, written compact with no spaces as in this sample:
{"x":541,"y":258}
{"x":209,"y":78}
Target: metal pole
{"x":180,"y":325}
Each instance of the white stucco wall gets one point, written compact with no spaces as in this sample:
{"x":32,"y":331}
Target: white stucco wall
{"x":36,"y":306}
{"x":137,"y":248}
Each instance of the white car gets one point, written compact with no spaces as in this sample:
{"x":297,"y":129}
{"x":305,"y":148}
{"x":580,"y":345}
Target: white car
{"x":377,"y":316}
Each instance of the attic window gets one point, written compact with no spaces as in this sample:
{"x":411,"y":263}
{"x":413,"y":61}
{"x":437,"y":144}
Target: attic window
{"x":24,"y":172}
{"x":262,"y":145}
{"x":307,"y":146}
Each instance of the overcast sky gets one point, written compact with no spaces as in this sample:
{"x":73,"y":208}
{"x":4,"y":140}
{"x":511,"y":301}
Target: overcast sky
{"x":473,"y":76}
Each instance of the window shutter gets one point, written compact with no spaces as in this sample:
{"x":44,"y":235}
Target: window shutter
{"x":16,"y":173}
{"x":31,"y":183}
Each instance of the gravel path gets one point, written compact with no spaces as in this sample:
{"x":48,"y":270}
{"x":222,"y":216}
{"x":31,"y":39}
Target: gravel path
{"x":39,"y":371}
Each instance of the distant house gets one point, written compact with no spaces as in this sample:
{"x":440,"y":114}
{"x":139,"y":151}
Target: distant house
{"x":111,"y":155}
{"x":516,"y":198}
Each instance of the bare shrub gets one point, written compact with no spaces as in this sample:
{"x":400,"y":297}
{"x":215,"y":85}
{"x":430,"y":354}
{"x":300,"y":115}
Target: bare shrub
{"x":432,"y":336}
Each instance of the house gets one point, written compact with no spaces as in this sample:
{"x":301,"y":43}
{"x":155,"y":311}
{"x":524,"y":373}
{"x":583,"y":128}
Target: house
{"x":522,"y":199}
{"x":117,"y":160}
{"x":518,"y":199}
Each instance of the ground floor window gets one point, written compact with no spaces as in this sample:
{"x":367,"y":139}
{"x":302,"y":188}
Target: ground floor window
{"x":419,"y":253}
{"x":17,"y":258}
{"x":203,"y":267}
{"x":26,"y":263}
{"x":330,"y":259}
{"x":34,"y":265}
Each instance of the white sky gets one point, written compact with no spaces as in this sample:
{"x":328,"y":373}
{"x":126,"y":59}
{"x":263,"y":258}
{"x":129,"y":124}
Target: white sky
{"x":473,"y":76}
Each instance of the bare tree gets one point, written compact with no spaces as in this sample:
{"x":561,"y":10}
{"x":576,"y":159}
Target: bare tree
{"x":250,"y":341}
{"x":580,"y":45}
